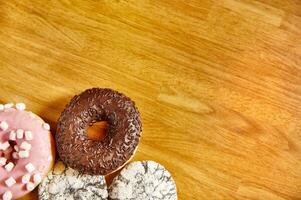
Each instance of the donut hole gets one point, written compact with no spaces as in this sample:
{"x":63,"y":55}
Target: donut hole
{"x":98,"y":130}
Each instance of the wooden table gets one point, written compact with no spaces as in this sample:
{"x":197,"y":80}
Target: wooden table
{"x":218,"y":83}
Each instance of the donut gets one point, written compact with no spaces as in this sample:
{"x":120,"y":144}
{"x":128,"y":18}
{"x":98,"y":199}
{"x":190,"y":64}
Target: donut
{"x":142,"y":180}
{"x":99,"y":157}
{"x":26,"y":151}
{"x":66,"y":183}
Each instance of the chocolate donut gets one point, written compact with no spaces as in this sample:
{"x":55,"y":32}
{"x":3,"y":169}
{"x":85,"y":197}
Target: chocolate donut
{"x":123,"y":133}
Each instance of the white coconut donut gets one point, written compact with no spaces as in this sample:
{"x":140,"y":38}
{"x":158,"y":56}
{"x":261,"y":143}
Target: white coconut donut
{"x":66,"y":183}
{"x":143,"y":180}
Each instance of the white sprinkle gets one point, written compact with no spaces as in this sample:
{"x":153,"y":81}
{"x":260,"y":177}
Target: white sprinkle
{"x":7,"y":195}
{"x":37,"y":178}
{"x":20,"y":106}
{"x":10,"y":181}
{"x":4,"y":146}
{"x":20,"y":133}
{"x":15,"y":155}
{"x":1,"y":107}
{"x":12,"y":136}
{"x":23,"y":154}
{"x":28,"y":135}
{"x":8,"y":167}
{"x":2,"y":161}
{"x":3,"y":125}
{"x":29,"y":186}
{"x":26,"y":178}
{"x":46,"y":126}
{"x":25,"y":145}
{"x":8,"y":105}
{"x":30,"y":167}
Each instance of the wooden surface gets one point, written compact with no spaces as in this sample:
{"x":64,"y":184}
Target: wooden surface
{"x":218,"y":83}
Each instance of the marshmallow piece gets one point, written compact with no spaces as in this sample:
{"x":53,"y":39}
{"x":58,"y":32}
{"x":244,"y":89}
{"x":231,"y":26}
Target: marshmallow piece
{"x":8,"y":105}
{"x":26,"y":178}
{"x":29,"y":186}
{"x":46,"y":126}
{"x":1,"y":107}
{"x":25,"y":145}
{"x":30,"y":167}
{"x":28,"y":135}
{"x":32,"y":115}
{"x":16,"y":148}
{"x":3,"y":125}
{"x":23,"y":154}
{"x":12,"y":136}
{"x":2,"y":161}
{"x":10,"y":181}
{"x":9,"y":166}
{"x":4,"y":145}
{"x":37,"y":178}
{"x":20,"y":133}
{"x":15,"y":155}
{"x":20,"y":106}
{"x":7,"y":195}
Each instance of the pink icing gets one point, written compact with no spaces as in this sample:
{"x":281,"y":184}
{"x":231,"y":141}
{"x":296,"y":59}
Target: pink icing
{"x":40,"y":153}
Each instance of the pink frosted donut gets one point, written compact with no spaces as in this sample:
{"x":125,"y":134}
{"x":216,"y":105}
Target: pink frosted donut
{"x":26,"y":151}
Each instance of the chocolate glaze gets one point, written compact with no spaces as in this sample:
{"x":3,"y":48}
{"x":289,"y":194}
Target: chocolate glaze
{"x":123,"y":133}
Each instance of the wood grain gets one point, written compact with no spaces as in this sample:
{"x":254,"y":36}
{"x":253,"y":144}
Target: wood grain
{"x":218,"y":83}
